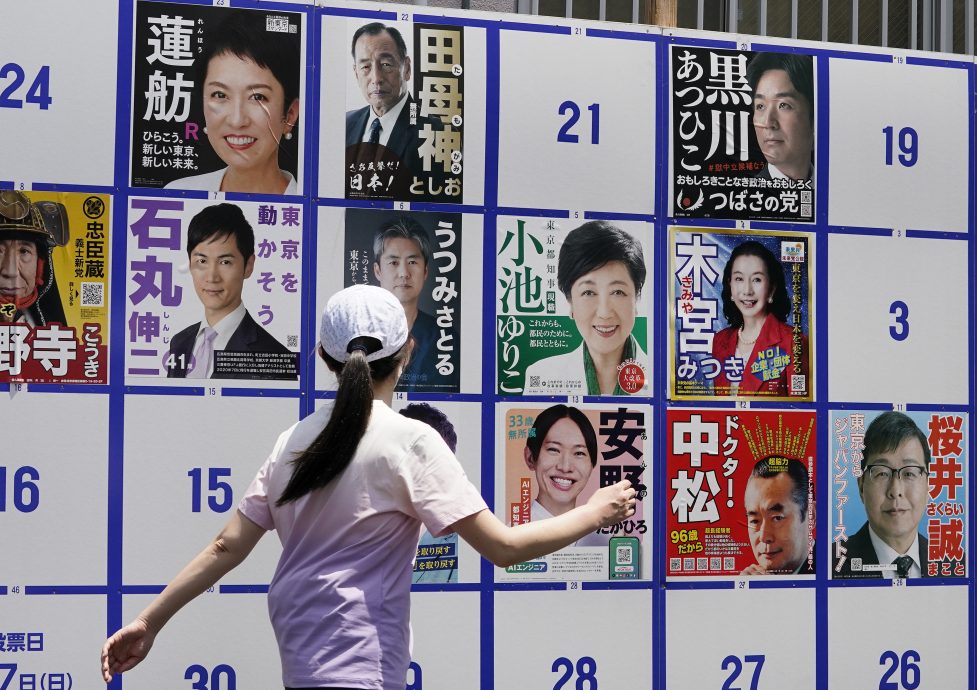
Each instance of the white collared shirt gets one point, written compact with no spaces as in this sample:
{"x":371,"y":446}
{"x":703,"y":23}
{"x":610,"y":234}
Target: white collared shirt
{"x":887,"y":555}
{"x":225,"y":329}
{"x":387,"y":121}
{"x":775,"y":172}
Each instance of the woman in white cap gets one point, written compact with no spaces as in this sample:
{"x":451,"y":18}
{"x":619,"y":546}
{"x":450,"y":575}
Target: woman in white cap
{"x":346,"y":489}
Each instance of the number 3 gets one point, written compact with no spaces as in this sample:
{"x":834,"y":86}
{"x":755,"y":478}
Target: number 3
{"x":900,"y":329}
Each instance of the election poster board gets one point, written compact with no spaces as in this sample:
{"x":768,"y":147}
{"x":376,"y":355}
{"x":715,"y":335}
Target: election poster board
{"x":741,"y":314}
{"x":54,"y":308}
{"x":551,"y":459}
{"x":571,"y":303}
{"x":741,"y":492}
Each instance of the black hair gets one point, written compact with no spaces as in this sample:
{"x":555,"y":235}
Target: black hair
{"x":794,"y":469}
{"x":435,"y":419}
{"x":244,"y":34}
{"x":375,"y":29}
{"x":594,"y":244}
{"x":780,"y":306}
{"x":219,"y":221}
{"x":888,"y":431}
{"x":550,"y":416}
{"x":406,"y":228}
{"x":799,"y":68}
{"x":333,"y":449}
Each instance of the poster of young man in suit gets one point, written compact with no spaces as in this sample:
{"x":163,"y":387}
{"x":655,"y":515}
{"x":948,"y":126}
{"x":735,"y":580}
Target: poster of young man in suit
{"x":214,"y":290}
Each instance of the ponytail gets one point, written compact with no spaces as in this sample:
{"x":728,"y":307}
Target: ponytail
{"x":333,"y":449}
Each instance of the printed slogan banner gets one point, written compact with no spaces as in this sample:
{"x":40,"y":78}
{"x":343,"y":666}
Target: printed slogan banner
{"x":740,"y":314}
{"x":54,"y":325}
{"x":899,"y":488}
{"x":553,"y":459}
{"x":742,"y":134}
{"x":568,"y":299}
{"x":740,"y":491}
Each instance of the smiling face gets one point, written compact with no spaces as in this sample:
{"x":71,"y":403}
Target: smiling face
{"x":895,"y":507}
{"x":749,"y":286}
{"x":18,"y":269}
{"x":562,"y":468}
{"x":244,"y":107}
{"x":777,"y":530}
{"x":218,"y":270}
{"x":603,"y":304}
{"x":401,"y":269}
{"x":380,"y":72}
{"x":782,"y":120}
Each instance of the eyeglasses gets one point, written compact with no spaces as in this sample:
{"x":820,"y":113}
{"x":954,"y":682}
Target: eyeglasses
{"x":883,"y":473}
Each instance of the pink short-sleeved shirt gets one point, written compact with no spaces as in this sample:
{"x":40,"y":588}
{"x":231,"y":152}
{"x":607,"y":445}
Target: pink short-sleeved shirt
{"x":340,"y":598}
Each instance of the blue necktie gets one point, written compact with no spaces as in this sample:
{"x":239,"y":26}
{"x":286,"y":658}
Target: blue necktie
{"x":375,"y":132}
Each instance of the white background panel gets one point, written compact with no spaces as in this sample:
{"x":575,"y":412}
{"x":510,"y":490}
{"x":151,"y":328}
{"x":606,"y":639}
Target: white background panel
{"x":161,"y":533}
{"x":865,"y":98}
{"x":73,"y":141}
{"x":72,"y":630}
{"x":66,"y":441}
{"x":705,"y":627}
{"x":214,"y":629}
{"x":538,"y":73}
{"x":866,"y":622}
{"x":446,"y":640}
{"x":535,"y":629}
{"x":866,"y":275}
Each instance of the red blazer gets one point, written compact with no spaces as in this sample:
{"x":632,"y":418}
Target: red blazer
{"x":773,"y":333}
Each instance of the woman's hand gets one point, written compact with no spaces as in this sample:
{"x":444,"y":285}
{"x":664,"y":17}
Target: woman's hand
{"x":126,"y":648}
{"x":614,"y":503}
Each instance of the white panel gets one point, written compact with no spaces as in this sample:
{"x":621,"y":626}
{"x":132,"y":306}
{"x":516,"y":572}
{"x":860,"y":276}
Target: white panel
{"x":873,"y":631}
{"x":611,"y":86}
{"x":562,"y":639}
{"x":161,"y":531}
{"x":446,"y":633}
{"x":54,"y":521}
{"x":710,"y":644}
{"x":73,"y":140}
{"x":867,"y":277}
{"x":925,"y":191}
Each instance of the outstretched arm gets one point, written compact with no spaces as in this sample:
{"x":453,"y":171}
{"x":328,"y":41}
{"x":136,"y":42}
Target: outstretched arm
{"x":131,"y":644}
{"x":505,"y":546}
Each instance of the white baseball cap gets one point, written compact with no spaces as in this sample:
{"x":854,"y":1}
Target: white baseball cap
{"x":363,"y":311}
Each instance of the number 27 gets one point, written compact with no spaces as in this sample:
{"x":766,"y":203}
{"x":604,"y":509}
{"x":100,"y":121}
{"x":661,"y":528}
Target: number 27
{"x":737,"y":666}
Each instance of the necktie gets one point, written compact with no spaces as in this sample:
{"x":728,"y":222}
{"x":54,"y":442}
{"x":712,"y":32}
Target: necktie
{"x":375,"y":132}
{"x":203,"y":354}
{"x":903,"y":564}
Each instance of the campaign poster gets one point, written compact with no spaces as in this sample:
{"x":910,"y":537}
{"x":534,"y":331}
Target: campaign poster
{"x":741,"y":492}
{"x":899,"y":488}
{"x":217,"y":98}
{"x":740,"y":314}
{"x":743,"y":133}
{"x":54,"y":287}
{"x":405,"y":111}
{"x":571,"y":305}
{"x":552,"y":459}
{"x":214,"y":291}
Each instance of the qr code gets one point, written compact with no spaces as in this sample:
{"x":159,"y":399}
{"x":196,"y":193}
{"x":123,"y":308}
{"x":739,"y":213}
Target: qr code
{"x":806,"y":197}
{"x":675,"y":564}
{"x":534,"y":382}
{"x":807,"y":210}
{"x":291,"y":342}
{"x":625,"y":555}
{"x":702,"y":564}
{"x":856,"y":565}
{"x":278,"y":24}
{"x":729,"y":563}
{"x":714,"y":563}
{"x":798,"y":383}
{"x":93,"y":294}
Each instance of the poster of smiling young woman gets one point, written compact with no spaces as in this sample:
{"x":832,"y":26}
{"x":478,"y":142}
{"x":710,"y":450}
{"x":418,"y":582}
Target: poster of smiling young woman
{"x":743,"y":132}
{"x":740,"y":314}
{"x":568,"y":299}
{"x":217,"y":99}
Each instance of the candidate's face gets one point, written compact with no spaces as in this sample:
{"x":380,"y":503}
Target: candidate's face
{"x":218,"y":269}
{"x":782,"y":120}
{"x":379,"y":71}
{"x":777,"y":532}
{"x":895,"y":507}
{"x":244,"y":107}
{"x":401,"y":269}
{"x":603,"y":304}
{"x":18,"y":269}
{"x":749,"y":286}
{"x":562,"y":468}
